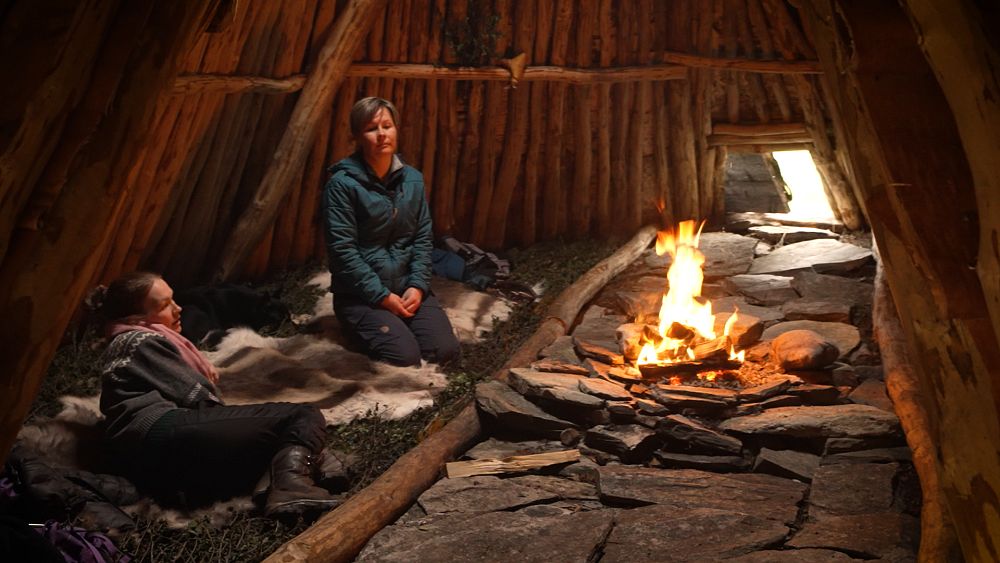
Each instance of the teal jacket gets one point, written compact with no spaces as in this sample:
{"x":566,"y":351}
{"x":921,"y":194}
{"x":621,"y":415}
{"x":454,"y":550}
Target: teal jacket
{"x":378,"y":234}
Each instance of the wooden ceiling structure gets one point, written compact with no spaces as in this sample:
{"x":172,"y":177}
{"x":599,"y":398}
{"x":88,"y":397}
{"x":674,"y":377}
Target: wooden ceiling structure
{"x":193,"y":139}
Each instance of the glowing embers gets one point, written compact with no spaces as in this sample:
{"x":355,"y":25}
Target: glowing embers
{"x":685,"y":338}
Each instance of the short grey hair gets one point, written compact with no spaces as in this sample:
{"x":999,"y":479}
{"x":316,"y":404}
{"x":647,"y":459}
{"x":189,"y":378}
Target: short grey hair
{"x":366,"y":108}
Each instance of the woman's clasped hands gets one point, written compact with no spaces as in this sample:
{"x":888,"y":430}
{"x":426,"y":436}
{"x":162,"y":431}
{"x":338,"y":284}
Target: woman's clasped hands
{"x":404,"y":306}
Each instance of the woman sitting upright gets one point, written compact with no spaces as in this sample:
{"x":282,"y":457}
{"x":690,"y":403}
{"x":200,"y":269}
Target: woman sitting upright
{"x":379,"y":242}
{"x":168,"y":430}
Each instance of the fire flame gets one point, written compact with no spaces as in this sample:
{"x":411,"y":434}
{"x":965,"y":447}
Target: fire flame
{"x":683,"y":312}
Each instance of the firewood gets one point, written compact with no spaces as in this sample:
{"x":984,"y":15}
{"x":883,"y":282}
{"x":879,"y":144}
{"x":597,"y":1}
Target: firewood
{"x":512,"y":464}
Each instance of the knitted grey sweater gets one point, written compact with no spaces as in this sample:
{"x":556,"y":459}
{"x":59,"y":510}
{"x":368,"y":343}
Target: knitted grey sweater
{"x":143,"y":378}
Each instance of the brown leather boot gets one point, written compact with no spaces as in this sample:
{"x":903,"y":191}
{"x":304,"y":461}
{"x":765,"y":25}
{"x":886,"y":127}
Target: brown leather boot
{"x":292,"y":488}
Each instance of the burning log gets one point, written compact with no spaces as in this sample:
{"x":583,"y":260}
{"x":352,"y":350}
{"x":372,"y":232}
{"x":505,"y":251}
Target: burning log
{"x":709,"y":354}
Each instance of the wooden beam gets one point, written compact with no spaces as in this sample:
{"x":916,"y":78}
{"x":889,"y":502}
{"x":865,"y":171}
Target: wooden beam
{"x":760,"y":148}
{"x":716,"y":140}
{"x":758,"y":129}
{"x":187,"y":84}
{"x":317,"y":95}
{"x":674,"y":70}
{"x":340,"y":534}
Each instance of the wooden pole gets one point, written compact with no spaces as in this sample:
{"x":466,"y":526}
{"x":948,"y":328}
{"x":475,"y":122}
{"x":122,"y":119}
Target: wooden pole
{"x":553,"y":190}
{"x":317,"y":95}
{"x":44,"y":274}
{"x":602,"y":203}
{"x":516,"y":139}
{"x":918,"y":192}
{"x":341,"y":534}
{"x":533,"y":161}
{"x":495,"y":120}
{"x":581,"y":196}
{"x":937,"y":533}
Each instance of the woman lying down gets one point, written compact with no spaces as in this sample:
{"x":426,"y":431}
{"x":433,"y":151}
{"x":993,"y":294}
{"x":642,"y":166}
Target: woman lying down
{"x":168,"y":430}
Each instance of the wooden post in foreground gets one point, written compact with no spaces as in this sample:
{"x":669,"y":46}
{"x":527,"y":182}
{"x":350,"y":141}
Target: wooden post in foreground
{"x":341,"y":534}
{"x":45,"y":273}
{"x":938,"y":541}
{"x":317,"y":95}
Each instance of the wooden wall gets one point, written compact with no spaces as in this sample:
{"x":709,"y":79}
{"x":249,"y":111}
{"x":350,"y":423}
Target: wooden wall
{"x":504,"y":166}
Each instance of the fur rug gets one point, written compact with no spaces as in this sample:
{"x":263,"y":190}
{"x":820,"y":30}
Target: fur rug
{"x":312,"y":367}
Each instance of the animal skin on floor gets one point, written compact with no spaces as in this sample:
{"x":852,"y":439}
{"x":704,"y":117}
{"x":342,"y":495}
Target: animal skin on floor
{"x":312,"y":367}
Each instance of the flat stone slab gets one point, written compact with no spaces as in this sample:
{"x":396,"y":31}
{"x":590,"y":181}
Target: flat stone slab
{"x":726,"y":254}
{"x":566,"y":489}
{"x":696,"y":436}
{"x":786,"y":234}
{"x":604,"y":389}
{"x":810,"y":309}
{"x":766,"y":496}
{"x":793,"y":556}
{"x":787,"y":463}
{"x":482,"y":493}
{"x":716,"y":393}
{"x":851,"y":421}
{"x":714,"y":463}
{"x":564,"y":388}
{"x":853,"y":488}
{"x":772,"y":387}
{"x":559,"y":366}
{"x":812,"y":394}
{"x":677,"y":401}
{"x":890,"y":536}
{"x":844,"y":336}
{"x":858,"y":444}
{"x":762,"y":289}
{"x":513,"y":411}
{"x":664,"y":533}
{"x":812,"y":285}
{"x":492,"y":448}
{"x":767,"y":315}
{"x":825,"y":256}
{"x":561,"y":350}
{"x":599,"y":330}
{"x":493,"y":537}
{"x":624,"y":374}
{"x":605,"y":350}
{"x":632,"y":443}
{"x":872,"y":392}
{"x":875,"y":455}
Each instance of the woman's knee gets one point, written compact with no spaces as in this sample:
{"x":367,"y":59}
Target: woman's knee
{"x":401,"y":352}
{"x":447,"y":349}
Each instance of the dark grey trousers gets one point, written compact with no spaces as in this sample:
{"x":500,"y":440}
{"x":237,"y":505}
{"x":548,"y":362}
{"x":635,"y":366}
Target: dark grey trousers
{"x":217,"y":451}
{"x":386,"y":337}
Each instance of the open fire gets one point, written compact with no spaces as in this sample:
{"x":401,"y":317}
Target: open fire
{"x":685,"y":335}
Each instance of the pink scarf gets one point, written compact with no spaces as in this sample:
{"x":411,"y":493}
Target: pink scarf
{"x":189,"y":353}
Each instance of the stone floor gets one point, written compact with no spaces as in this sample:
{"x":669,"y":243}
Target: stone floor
{"x":792,"y":462}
